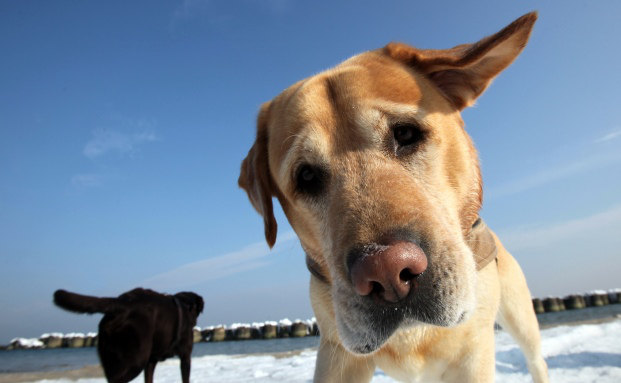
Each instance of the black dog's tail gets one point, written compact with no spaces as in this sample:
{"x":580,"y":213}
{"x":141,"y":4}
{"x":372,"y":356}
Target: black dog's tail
{"x":84,"y":303}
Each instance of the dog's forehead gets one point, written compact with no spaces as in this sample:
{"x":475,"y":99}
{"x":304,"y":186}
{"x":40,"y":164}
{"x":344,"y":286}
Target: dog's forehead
{"x":337,"y":107}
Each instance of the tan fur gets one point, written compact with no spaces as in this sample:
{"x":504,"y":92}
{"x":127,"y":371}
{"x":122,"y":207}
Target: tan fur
{"x":341,"y":121}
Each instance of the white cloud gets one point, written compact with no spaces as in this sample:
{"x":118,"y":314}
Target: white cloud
{"x":609,"y":136}
{"x":107,"y":141}
{"x":189,"y":9}
{"x":248,"y":258}
{"x":545,"y":176}
{"x":87,"y":180}
{"x":603,"y":224}
{"x":574,"y":256}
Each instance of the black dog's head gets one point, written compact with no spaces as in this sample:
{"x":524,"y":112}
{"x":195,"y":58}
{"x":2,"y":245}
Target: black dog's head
{"x":192,"y":301}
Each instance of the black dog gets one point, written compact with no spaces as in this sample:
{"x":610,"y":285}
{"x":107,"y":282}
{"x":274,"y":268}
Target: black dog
{"x":140,"y":328}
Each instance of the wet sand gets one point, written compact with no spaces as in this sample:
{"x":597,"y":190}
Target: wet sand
{"x":84,"y":372}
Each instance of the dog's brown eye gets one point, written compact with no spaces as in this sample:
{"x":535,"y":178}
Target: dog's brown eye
{"x":307,"y":174}
{"x":407,"y":134}
{"x":310,"y":179}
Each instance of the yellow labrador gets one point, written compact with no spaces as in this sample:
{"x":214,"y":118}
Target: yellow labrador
{"x":377,"y":176}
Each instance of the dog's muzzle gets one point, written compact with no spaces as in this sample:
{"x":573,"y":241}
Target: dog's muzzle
{"x":394,"y":285}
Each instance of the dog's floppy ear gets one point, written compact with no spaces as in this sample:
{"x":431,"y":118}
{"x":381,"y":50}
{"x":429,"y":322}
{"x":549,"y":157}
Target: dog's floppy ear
{"x":193,"y":301}
{"x":199,"y":304}
{"x":255,"y":177}
{"x":463,"y":72}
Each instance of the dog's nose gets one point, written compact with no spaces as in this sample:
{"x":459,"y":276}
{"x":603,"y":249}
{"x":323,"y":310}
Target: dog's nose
{"x":388,"y":271}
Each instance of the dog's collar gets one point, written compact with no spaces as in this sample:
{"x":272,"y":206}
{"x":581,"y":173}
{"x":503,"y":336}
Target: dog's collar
{"x":479,"y":239}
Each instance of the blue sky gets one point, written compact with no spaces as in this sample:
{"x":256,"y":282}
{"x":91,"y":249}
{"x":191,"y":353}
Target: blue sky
{"x":123,"y":125}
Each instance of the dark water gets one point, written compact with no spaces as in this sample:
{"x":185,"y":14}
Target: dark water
{"x":58,"y":359}
{"x":68,"y":359}
{"x":589,"y":313}
{"x":72,"y":358}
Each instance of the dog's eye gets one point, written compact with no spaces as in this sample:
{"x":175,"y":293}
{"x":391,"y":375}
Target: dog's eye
{"x":406,"y":134}
{"x":310,"y":179}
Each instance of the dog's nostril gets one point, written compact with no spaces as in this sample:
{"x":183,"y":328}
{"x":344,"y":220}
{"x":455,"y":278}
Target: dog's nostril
{"x":376,"y":288}
{"x":406,"y":275}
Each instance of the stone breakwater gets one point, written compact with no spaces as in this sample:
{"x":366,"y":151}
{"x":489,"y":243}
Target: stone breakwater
{"x":594,"y":298}
{"x":297,"y":328}
{"x":54,"y":340}
{"x":237,"y":331}
{"x":267,"y":330}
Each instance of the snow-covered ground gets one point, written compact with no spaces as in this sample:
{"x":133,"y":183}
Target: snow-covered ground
{"x":586,"y":353}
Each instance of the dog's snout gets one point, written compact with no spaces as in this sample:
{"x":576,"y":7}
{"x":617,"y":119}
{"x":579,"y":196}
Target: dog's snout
{"x":388,"y":271}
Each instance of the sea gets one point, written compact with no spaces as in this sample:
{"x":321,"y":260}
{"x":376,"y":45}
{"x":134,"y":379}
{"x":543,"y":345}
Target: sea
{"x":74,"y":358}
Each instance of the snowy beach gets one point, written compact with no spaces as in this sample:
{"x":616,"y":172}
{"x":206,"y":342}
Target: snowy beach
{"x":580,"y":353}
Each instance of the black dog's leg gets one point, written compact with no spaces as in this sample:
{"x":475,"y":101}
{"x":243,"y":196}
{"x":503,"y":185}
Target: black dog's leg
{"x":185,"y":368}
{"x":148,"y":372}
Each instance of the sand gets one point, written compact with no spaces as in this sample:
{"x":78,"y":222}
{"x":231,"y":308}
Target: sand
{"x":20,"y":377}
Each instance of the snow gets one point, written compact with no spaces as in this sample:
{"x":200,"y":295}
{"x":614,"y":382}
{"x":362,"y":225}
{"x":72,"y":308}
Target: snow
{"x":598,"y":292}
{"x":235,"y":326}
{"x":257,"y":325}
{"x":285,"y":322}
{"x":27,"y":343}
{"x":74,"y":335}
{"x":53,"y":334}
{"x":586,"y":353}
{"x":272,"y":323}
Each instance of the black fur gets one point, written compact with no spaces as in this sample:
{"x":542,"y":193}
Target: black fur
{"x":139,"y":328}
